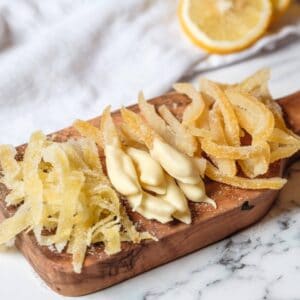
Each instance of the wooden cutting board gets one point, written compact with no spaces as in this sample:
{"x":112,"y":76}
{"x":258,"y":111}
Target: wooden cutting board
{"x":237,"y":209}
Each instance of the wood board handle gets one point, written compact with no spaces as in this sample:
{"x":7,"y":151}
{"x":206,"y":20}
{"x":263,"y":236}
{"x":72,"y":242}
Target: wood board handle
{"x":291,"y":109}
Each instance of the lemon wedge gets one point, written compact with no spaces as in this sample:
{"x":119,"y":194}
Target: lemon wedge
{"x":224,"y":26}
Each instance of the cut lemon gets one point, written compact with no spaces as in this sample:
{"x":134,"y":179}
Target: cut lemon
{"x":224,"y":26}
{"x":279,"y":7}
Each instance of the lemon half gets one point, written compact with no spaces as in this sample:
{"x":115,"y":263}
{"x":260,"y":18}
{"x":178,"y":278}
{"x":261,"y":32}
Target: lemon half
{"x":224,"y":26}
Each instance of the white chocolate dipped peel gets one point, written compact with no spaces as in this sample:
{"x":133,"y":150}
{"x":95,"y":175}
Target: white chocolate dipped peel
{"x":175,"y":197}
{"x":151,"y":174}
{"x":175,"y":163}
{"x":153,"y":207}
{"x":120,"y":167}
{"x":129,"y":172}
{"x":184,"y":169}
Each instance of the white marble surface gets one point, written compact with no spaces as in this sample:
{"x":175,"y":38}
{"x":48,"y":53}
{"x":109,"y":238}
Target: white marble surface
{"x":262,"y":262}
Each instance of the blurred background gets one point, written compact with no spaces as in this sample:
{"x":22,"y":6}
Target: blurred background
{"x":67,"y":59}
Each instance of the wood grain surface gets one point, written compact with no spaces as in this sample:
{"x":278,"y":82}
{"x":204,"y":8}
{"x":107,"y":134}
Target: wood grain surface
{"x":237,"y":209}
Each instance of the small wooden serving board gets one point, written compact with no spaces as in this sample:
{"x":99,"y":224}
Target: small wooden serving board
{"x":237,"y":209}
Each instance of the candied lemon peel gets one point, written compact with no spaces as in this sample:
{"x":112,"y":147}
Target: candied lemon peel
{"x":236,"y":111}
{"x":65,"y":198}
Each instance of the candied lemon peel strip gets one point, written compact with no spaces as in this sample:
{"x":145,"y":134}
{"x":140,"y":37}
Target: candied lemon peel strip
{"x":12,"y":175}
{"x":217,"y":134}
{"x":245,"y":183}
{"x":196,"y":109}
{"x":183,"y":138}
{"x":231,"y":126}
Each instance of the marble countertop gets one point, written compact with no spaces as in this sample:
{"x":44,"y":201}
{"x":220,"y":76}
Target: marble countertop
{"x":262,"y":262}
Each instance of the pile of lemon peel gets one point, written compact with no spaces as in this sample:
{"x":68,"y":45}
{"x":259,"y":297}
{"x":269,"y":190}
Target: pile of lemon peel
{"x":237,"y":111}
{"x":64,"y":198}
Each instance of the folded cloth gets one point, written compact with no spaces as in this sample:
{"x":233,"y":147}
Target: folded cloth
{"x":67,"y":59}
